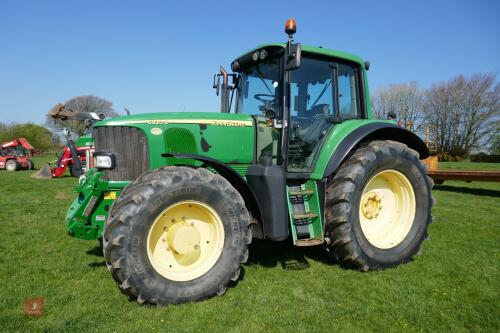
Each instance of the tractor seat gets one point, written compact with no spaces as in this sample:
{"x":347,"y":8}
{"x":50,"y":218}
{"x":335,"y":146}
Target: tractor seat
{"x":313,"y":132}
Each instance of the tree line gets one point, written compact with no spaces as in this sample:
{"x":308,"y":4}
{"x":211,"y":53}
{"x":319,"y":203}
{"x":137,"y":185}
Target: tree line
{"x":459,"y":116}
{"x":49,"y":136}
{"x":39,"y":136}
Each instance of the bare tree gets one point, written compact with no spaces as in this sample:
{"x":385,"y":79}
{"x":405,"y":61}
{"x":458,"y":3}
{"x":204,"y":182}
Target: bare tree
{"x":495,"y":146}
{"x":87,"y":103}
{"x":465,"y":111}
{"x":404,"y":100}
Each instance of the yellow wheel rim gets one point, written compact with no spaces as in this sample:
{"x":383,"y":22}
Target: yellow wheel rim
{"x":185,"y":240}
{"x":387,"y":209}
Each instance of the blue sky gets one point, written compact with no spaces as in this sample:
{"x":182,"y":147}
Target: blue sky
{"x":160,"y":56}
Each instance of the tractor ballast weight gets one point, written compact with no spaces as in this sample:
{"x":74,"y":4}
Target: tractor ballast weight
{"x":176,"y":198}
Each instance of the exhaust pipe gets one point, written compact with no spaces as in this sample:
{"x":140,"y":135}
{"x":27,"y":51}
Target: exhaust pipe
{"x":224,"y":99}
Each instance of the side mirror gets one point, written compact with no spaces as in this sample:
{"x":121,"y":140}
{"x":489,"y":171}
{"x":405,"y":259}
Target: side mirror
{"x":216,"y":84}
{"x":270,"y":113}
{"x":245,"y":89}
{"x":293,"y":53}
{"x":391,"y":115}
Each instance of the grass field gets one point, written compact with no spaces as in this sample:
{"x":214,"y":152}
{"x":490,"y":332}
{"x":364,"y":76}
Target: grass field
{"x":452,"y":286}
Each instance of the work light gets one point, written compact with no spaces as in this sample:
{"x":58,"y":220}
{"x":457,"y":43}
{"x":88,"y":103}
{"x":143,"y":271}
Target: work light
{"x":104,"y":160}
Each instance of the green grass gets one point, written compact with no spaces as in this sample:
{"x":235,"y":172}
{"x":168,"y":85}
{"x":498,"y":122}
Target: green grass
{"x":452,"y":286}
{"x":469,"y":166}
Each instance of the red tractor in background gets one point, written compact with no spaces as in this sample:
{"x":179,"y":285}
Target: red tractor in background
{"x":67,"y":161}
{"x":16,"y":155}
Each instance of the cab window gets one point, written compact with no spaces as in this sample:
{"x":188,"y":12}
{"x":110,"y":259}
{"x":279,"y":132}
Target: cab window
{"x":348,"y":95}
{"x":311,"y":105}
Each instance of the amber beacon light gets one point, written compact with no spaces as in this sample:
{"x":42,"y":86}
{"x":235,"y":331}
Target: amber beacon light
{"x":290,"y":26}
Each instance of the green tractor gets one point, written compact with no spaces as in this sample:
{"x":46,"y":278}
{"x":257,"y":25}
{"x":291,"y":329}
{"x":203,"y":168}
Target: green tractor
{"x":294,"y":154}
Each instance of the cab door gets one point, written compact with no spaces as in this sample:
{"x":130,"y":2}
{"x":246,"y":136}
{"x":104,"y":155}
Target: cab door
{"x":322,"y":93}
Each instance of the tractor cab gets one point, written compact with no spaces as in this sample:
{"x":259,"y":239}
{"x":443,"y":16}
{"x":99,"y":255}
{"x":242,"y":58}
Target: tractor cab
{"x":296,"y":94}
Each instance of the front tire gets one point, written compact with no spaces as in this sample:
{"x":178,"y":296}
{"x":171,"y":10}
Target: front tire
{"x":11,"y":165}
{"x":177,"y":235}
{"x":378,"y":207}
{"x":31,"y":165}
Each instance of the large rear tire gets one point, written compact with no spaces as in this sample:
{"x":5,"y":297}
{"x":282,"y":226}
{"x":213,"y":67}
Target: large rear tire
{"x":378,"y":207}
{"x":177,"y":235}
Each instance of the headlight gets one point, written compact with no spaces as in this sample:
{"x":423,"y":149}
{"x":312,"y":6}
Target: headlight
{"x":104,"y":160}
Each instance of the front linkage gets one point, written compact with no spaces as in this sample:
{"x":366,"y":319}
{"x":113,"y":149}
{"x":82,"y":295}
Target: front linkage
{"x":87,"y":214}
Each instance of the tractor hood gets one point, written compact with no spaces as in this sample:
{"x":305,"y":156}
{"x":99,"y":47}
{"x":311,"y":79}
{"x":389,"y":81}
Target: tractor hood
{"x":207,"y":118}
{"x":226,"y":137}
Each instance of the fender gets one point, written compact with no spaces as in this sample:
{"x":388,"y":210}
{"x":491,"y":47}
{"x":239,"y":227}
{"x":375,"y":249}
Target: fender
{"x":232,"y":177}
{"x":374,"y":131}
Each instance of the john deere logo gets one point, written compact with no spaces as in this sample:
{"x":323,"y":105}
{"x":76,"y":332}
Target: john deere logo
{"x":156,"y":131}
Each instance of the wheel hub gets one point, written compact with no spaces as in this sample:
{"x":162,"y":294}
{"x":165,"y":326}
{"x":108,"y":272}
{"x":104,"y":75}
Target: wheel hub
{"x":183,"y":238}
{"x":370,"y":205}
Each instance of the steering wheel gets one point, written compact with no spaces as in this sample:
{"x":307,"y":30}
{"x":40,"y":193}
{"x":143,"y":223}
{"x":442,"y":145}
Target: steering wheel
{"x":260,"y":98}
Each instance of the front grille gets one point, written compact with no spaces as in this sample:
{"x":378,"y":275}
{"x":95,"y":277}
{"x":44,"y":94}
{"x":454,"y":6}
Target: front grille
{"x":130,"y":147}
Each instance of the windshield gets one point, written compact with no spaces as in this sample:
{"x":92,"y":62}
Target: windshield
{"x":259,"y":88}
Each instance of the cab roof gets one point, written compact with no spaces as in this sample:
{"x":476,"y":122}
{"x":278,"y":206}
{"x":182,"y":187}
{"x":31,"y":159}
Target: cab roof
{"x":315,"y":50}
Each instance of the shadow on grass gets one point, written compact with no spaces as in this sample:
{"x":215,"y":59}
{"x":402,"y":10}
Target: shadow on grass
{"x":468,"y":190}
{"x":264,"y":253}
{"x":271,"y":254}
{"x":97,"y":264}
{"x":95,"y":251}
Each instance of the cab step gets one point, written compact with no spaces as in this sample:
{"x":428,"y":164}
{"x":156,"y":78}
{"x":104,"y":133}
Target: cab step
{"x":301,"y":192}
{"x":304,"y":213}
{"x":305,"y":216}
{"x":309,"y":242}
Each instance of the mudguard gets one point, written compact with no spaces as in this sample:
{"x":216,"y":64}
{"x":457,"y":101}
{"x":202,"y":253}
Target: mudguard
{"x":232,"y":176}
{"x":374,"y":131}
